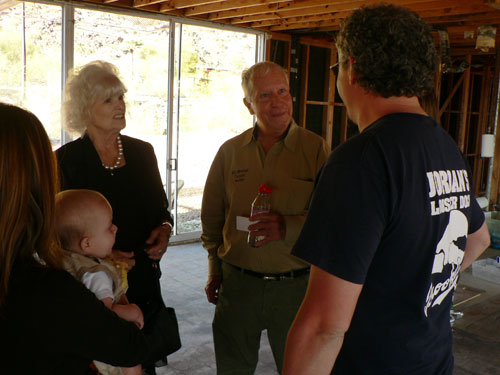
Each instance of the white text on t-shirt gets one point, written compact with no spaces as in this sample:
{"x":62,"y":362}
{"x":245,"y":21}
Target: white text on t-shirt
{"x":446,"y":182}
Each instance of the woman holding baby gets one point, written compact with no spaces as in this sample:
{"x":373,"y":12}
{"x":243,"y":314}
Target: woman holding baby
{"x":124,"y":170}
{"x":49,"y":322}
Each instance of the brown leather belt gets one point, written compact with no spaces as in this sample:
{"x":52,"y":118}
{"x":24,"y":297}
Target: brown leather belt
{"x":274,"y":276}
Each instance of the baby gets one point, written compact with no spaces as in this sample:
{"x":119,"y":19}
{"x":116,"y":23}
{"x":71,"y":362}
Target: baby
{"x":87,"y":235}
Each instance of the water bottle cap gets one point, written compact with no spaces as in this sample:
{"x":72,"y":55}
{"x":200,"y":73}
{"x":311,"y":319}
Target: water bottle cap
{"x":265,"y":189}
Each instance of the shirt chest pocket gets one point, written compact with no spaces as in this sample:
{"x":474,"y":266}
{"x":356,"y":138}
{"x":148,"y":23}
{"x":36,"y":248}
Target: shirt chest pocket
{"x":296,"y":197}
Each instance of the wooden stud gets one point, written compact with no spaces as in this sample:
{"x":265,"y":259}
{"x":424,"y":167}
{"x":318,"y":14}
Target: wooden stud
{"x":495,"y":176}
{"x":332,"y":80}
{"x":450,"y":96}
{"x":484,"y":114}
{"x":462,"y":125}
{"x":304,"y":83}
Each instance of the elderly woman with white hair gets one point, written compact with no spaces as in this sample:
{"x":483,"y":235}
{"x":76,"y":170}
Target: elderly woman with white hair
{"x":124,"y":170}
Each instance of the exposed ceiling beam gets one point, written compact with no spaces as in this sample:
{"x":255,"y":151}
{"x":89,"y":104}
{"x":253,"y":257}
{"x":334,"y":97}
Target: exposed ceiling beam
{"x":175,"y":4}
{"x":308,"y":25}
{"x":145,"y":3}
{"x":298,"y":12}
{"x":117,"y":3}
{"x":464,"y":51}
{"x":306,"y":17}
{"x":330,"y":9}
{"x":233,"y":4}
{"x":484,"y":18}
{"x":461,"y":10}
{"x":6,"y":4}
{"x":305,"y":7}
{"x":179,"y":4}
{"x":494,"y":3}
{"x":291,"y":22}
{"x":288,"y":9}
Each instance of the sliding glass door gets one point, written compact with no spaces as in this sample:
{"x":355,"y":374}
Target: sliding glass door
{"x":184,"y":93}
{"x":209,"y":110}
{"x":30,"y":61}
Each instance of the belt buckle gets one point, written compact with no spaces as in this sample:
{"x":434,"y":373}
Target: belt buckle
{"x":269,"y":278}
{"x":285,"y":277}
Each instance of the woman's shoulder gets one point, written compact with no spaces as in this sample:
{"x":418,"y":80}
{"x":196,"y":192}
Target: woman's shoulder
{"x":134,"y":141}
{"x":41,"y":277}
{"x":136,"y":145}
{"x":71,"y":148}
{"x":41,"y":286}
{"x":74,"y":143}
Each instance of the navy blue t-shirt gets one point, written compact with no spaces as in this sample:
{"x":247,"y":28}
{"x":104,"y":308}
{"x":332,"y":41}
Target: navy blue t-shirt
{"x":391,"y":210}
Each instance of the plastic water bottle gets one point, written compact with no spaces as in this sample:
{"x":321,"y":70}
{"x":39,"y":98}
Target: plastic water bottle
{"x":260,"y":205}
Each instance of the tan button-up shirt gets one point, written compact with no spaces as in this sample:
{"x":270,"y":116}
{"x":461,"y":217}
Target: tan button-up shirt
{"x":239,"y":167}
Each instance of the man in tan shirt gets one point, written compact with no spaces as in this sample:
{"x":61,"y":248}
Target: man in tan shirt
{"x":258,"y":288}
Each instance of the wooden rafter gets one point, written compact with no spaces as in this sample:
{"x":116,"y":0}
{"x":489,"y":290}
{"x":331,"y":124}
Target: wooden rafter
{"x":175,"y":4}
{"x":242,"y":8}
{"x":465,"y":19}
{"x":288,"y":9}
{"x":309,"y":25}
{"x":309,"y":8}
{"x":494,"y":3}
{"x":229,"y":5}
{"x":144,"y":3}
{"x":455,"y":11}
{"x":316,"y":16}
{"x":293,"y":21}
{"x":325,"y":13}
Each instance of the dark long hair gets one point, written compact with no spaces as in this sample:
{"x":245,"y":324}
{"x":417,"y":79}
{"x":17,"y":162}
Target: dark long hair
{"x":28,"y":184}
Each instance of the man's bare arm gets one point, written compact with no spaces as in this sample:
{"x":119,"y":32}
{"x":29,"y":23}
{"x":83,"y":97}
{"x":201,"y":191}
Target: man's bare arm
{"x":317,"y":333}
{"x":477,"y":242}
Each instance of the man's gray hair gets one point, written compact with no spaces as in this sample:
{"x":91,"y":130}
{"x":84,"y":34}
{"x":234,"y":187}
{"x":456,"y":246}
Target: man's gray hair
{"x":261,"y":68}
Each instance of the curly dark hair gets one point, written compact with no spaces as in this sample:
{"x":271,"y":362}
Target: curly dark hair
{"x":393,"y":50}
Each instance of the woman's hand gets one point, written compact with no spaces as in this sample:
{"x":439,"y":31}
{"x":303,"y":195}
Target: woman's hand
{"x":158,"y":240}
{"x":126,"y":257}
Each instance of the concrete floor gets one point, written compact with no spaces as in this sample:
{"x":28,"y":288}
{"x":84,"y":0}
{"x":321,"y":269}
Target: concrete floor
{"x":476,"y":334}
{"x":184,"y":269}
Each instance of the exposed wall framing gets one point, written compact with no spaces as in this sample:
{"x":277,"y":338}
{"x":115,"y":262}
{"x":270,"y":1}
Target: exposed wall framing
{"x":465,"y":104}
{"x":465,"y":113}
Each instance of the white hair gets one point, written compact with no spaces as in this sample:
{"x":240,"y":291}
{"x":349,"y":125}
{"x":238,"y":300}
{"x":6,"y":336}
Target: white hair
{"x":91,"y":82}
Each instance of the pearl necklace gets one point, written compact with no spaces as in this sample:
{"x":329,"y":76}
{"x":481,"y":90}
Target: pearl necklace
{"x":118,"y":158}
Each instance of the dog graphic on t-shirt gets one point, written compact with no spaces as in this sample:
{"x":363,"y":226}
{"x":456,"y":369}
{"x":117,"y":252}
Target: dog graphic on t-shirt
{"x":447,"y":253}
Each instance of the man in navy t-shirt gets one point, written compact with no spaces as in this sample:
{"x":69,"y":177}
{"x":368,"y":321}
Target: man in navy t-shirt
{"x":393,"y":219}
